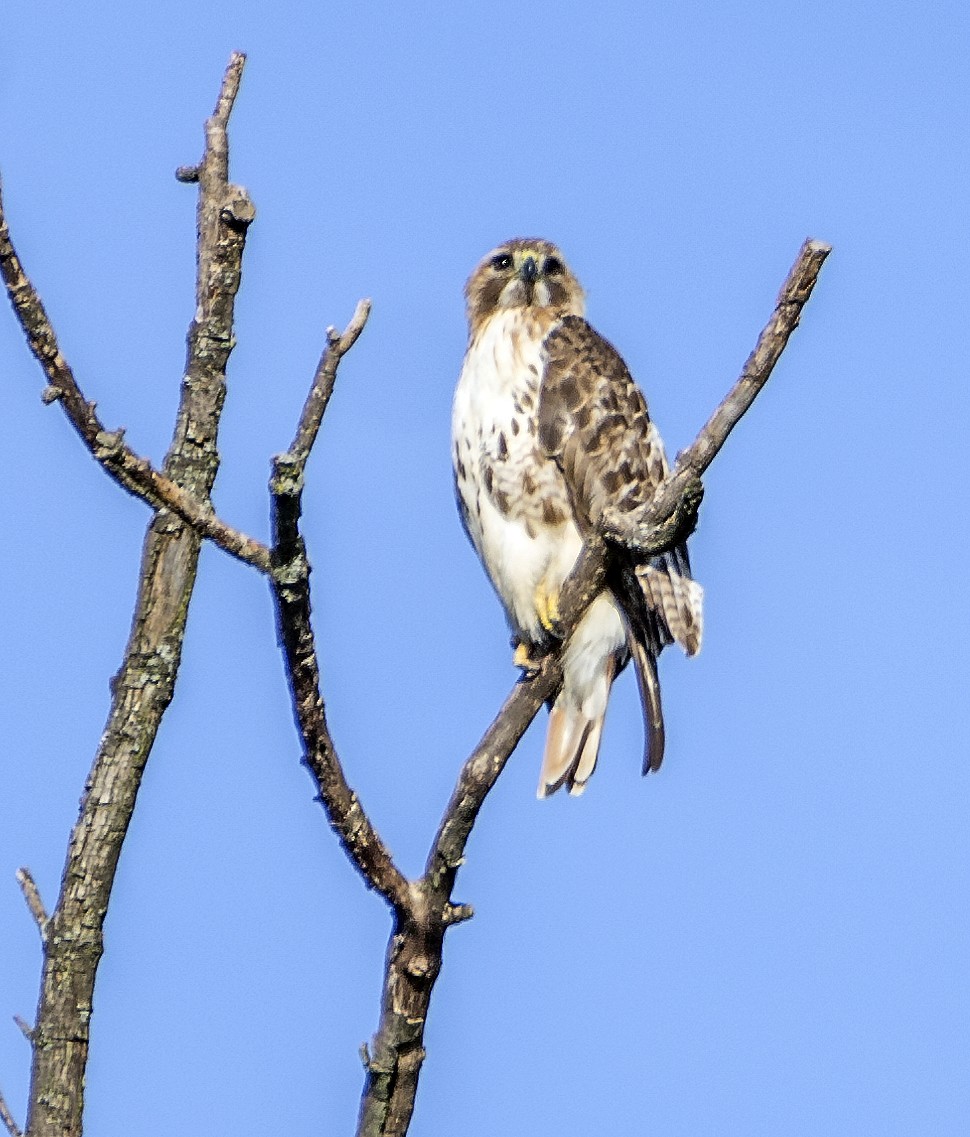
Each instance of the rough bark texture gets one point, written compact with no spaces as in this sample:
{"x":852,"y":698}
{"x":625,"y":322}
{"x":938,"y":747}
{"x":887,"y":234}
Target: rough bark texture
{"x":423,"y":909}
{"x":143,"y":688}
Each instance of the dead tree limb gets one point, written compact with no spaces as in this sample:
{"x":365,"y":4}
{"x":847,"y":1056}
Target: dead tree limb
{"x":423,"y":909}
{"x":28,"y":886}
{"x":108,"y":447}
{"x":143,"y":688}
{"x":291,"y":589}
{"x":180,"y":494}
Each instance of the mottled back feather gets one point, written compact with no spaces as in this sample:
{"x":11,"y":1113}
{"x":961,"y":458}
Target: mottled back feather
{"x":593,"y":420}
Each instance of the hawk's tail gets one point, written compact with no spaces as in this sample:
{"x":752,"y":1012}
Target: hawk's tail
{"x":576,"y":718}
{"x":671,"y":601}
{"x":572,"y":747}
{"x":645,"y":666}
{"x":664,"y":605}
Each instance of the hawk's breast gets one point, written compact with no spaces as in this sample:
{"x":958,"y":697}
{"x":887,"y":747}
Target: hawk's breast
{"x":512,"y":497}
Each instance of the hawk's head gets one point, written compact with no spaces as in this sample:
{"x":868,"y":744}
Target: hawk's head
{"x":523,"y":273}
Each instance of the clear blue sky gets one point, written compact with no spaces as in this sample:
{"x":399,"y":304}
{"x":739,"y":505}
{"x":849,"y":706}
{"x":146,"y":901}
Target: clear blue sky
{"x":771,"y":936}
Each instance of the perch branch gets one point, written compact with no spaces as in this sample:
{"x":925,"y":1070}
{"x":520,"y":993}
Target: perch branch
{"x":694,"y":461}
{"x":415,"y":951}
{"x":485,"y":764}
{"x":144,"y":686}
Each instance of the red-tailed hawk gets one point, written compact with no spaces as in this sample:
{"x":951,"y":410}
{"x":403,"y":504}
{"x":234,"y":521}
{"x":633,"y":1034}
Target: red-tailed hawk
{"x":550,"y":435}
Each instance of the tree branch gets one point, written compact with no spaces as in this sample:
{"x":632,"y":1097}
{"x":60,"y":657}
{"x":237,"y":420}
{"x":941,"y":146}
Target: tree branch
{"x":32,"y":895}
{"x":7,"y":1118}
{"x":291,"y":589}
{"x":415,"y":950}
{"x":144,"y":686}
{"x":694,"y":461}
{"x":109,"y":449}
{"x":180,"y":493}
{"x":323,"y":383}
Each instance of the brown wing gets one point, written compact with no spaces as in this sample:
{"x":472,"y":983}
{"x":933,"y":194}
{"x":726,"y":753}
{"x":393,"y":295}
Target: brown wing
{"x":593,"y":421}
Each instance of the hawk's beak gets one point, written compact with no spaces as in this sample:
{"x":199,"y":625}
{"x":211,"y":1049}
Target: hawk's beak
{"x":529,"y":271}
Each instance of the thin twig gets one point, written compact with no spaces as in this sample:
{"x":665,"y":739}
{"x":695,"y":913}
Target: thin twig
{"x":7,"y":1118}
{"x":338,"y":344}
{"x":28,"y":887}
{"x":25,"y":1028}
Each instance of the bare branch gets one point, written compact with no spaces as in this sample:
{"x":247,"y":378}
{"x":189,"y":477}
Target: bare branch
{"x":134,"y":473}
{"x":7,"y":1118}
{"x":692,"y":462}
{"x":414,"y":953}
{"x":323,"y":381}
{"x":144,"y":686}
{"x":291,"y":582}
{"x":25,"y":1028}
{"x":32,"y":895}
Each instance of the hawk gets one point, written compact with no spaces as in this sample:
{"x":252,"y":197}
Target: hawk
{"x":550,"y":435}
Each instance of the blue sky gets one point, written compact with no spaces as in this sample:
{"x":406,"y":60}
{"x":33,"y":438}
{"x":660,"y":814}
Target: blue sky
{"x":771,"y":936}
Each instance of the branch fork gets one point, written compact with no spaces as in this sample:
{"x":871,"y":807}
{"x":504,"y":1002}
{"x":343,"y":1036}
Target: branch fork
{"x":422,"y":909}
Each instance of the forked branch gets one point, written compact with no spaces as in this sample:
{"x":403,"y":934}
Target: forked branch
{"x":132,"y":472}
{"x":423,"y":910}
{"x":143,"y":688}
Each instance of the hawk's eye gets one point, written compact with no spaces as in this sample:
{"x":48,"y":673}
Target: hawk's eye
{"x":553,"y":267}
{"x":501,"y":262}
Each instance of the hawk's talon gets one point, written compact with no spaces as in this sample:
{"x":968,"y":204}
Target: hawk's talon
{"x":547,"y":609}
{"x":529,"y":658}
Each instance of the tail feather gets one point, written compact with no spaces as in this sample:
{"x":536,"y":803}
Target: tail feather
{"x":569,"y":730}
{"x":675,"y":597}
{"x":645,"y":666}
{"x":573,"y":740}
{"x":568,"y":748}
{"x":580,"y":774}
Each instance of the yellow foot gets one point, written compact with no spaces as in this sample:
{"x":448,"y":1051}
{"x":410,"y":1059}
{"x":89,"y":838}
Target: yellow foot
{"x":547,"y":607}
{"x":525,"y":658}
